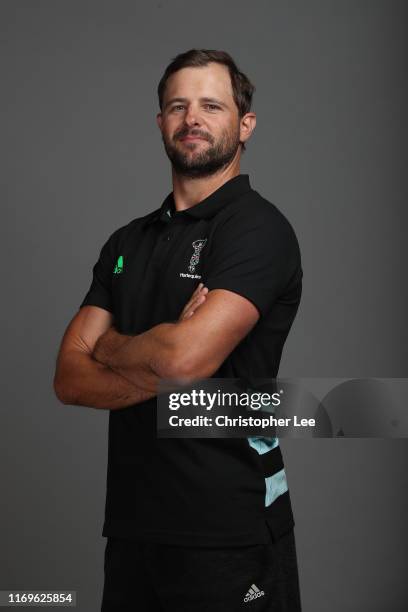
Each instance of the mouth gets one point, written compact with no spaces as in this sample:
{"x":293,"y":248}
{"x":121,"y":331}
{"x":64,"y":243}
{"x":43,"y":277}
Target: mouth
{"x":191,"y":138}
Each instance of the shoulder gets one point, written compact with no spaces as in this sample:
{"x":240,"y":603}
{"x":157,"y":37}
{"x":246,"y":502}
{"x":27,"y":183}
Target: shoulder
{"x":254,"y":214}
{"x":120,"y":235}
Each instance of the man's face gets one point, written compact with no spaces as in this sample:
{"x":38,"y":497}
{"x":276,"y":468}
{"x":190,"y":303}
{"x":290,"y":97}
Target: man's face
{"x":199,"y":121}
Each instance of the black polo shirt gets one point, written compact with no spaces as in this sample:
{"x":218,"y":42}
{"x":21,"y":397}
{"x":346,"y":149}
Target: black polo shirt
{"x":199,"y":492}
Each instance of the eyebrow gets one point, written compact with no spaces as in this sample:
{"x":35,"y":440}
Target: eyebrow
{"x":210,"y":100}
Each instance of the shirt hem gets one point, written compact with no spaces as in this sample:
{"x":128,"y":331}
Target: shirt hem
{"x":276,"y":522}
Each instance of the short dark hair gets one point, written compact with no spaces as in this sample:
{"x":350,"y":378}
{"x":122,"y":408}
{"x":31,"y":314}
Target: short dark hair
{"x":242,"y":87}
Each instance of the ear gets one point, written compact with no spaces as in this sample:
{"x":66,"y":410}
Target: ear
{"x":247,"y":126}
{"x":159,"y":120}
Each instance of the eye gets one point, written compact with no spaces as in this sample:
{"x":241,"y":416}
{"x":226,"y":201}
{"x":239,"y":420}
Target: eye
{"x":212,"y":106}
{"x":177,"y":106}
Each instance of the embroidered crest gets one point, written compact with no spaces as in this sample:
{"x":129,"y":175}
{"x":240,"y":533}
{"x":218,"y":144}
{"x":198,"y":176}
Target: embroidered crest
{"x":198,"y":246}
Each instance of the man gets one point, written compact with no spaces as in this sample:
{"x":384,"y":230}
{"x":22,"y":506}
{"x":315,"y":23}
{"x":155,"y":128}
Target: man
{"x":206,"y":285}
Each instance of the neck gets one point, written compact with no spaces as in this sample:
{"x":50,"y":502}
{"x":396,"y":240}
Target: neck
{"x":190,"y":191}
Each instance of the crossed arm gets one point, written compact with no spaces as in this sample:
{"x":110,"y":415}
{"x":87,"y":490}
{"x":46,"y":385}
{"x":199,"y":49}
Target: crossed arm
{"x":100,"y":368}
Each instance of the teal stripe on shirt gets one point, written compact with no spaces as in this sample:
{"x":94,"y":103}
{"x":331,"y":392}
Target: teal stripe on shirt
{"x":274,"y":485}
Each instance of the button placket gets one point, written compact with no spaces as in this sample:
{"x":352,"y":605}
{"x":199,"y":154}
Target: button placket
{"x":165,"y":243}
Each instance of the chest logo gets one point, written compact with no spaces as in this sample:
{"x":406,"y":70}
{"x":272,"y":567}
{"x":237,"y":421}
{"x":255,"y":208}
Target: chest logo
{"x":198,"y":246}
{"x":119,"y":265}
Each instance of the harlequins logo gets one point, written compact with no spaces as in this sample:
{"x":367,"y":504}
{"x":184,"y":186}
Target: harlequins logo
{"x":119,"y":265}
{"x":198,"y":246}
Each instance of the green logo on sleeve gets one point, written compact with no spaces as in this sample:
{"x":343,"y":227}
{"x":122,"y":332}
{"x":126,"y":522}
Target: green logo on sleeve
{"x":119,"y":265}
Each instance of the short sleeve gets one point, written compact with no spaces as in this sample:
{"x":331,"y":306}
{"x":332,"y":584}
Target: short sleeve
{"x":254,"y":253}
{"x":100,"y":291}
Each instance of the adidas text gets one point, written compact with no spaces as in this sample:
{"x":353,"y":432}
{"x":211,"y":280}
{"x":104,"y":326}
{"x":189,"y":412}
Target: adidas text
{"x":253,"y":593}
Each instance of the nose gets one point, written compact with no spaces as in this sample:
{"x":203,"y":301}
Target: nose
{"x":192,"y":116}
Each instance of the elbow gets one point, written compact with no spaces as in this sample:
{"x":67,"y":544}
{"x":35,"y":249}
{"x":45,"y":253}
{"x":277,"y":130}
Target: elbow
{"x":62,"y":392}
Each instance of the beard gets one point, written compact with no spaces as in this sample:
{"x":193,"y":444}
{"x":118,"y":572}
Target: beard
{"x":193,"y":163}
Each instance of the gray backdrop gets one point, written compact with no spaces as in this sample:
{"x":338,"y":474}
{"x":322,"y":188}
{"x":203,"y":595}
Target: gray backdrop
{"x":82,"y":156}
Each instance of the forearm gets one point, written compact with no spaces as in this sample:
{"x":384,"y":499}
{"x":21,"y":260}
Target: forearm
{"x":81,"y":380}
{"x":143,"y":359}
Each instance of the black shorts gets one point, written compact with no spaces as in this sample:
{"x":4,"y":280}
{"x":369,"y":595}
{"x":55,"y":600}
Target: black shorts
{"x":147,"y":577}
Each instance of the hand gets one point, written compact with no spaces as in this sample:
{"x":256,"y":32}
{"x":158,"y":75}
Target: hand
{"x":194,"y":302}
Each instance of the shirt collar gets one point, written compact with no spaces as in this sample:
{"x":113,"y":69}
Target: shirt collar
{"x":208,"y":207}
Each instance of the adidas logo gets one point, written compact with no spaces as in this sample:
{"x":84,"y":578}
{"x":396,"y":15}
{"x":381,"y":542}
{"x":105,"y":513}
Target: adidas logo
{"x":253,"y":593}
{"x":119,"y":265}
